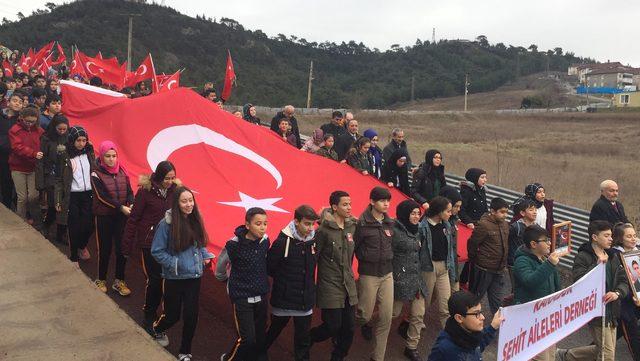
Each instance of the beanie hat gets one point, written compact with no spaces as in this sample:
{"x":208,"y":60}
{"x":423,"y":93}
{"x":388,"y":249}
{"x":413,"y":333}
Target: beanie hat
{"x":76,"y":132}
{"x":379,"y":193}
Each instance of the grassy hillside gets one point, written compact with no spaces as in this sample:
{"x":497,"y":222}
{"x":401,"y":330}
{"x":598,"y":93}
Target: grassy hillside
{"x":274,"y":71}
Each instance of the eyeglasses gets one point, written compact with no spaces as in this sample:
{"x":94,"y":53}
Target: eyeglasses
{"x":546,"y":240}
{"x":477,"y":314}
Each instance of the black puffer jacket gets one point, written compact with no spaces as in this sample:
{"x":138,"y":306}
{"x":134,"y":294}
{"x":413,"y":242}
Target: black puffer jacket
{"x":291,"y":263}
{"x":474,"y":202}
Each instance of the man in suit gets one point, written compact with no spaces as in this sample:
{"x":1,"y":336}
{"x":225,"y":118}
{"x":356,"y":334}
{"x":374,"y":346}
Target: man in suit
{"x":607,"y":207}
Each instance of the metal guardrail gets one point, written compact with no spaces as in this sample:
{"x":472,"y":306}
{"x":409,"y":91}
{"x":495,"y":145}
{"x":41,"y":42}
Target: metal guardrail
{"x":561,"y":212}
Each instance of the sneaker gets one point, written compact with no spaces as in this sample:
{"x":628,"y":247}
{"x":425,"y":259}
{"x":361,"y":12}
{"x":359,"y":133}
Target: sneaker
{"x":84,"y":254}
{"x":403,"y":328}
{"x":121,"y":287}
{"x":223,"y":357}
{"x":412,"y":355}
{"x":161,"y":338}
{"x":367,"y":332}
{"x":561,"y":354}
{"x":76,"y":265}
{"x":101,"y":285}
{"x":184,"y":357}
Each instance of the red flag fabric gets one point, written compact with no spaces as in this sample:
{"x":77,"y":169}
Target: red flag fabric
{"x":99,"y":67}
{"x":26,"y":64}
{"x":172,"y":82}
{"x":162,"y":78}
{"x":61,"y":57}
{"x":22,"y":63}
{"x":76,"y":66}
{"x":8,"y":69}
{"x":45,"y":64}
{"x":143,"y":72}
{"x":230,"y":164}
{"x":229,"y":78}
{"x":42,"y":54}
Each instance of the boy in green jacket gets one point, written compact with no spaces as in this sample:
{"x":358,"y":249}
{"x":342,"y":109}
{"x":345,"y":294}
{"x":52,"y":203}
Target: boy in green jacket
{"x":535,"y":274}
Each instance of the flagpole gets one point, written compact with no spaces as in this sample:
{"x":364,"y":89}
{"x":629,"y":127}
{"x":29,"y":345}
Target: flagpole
{"x":604,"y":311}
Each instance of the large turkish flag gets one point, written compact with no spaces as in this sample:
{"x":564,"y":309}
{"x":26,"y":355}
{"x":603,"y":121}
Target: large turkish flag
{"x":231,"y":164}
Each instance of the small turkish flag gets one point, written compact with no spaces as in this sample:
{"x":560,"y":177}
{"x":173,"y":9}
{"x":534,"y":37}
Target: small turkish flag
{"x":109,"y":72}
{"x":173,"y":82}
{"x":229,"y":78}
{"x":25,"y":63}
{"x":42,"y":54}
{"x":230,"y":164}
{"x":143,"y":72}
{"x":77,"y":67}
{"x":61,"y":57}
{"x":8,"y":69}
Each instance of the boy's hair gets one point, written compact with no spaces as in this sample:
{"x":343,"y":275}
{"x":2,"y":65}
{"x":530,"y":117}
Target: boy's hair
{"x":460,"y":302}
{"x":30,"y":111}
{"x":252,"y":212}
{"x":437,"y":205}
{"x":523,"y":205}
{"x":379,"y":193}
{"x":334,"y":198}
{"x":498,"y":203}
{"x":327,"y":136}
{"x":38,"y":92}
{"x":52,"y":98}
{"x":596,"y":227}
{"x":533,"y":233}
{"x":336,"y":114}
{"x":305,"y":212}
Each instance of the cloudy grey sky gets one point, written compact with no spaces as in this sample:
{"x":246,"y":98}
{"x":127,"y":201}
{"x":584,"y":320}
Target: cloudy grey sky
{"x":600,"y":29}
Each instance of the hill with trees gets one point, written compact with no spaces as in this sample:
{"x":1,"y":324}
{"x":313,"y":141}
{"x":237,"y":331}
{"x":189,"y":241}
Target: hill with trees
{"x":274,"y":70}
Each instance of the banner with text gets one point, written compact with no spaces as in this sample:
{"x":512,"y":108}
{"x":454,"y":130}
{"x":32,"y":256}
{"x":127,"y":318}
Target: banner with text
{"x":532,"y":327}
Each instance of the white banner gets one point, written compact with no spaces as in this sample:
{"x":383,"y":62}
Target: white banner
{"x":532,"y":327}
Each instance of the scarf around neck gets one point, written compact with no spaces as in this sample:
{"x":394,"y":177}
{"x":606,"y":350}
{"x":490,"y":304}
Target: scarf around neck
{"x":462,"y":338}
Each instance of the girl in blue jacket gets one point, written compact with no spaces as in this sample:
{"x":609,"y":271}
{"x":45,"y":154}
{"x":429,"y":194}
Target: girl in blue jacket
{"x":179,"y":245}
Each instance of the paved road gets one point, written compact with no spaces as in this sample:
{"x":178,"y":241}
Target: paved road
{"x":216,"y":332}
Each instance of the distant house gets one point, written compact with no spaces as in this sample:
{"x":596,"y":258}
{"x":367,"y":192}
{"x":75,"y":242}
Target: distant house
{"x":618,"y":78}
{"x":630,"y":99}
{"x":581,"y":70}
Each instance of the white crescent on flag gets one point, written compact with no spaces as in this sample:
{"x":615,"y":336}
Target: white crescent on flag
{"x":89,"y":68}
{"x":144,"y":70}
{"x":173,"y":138}
{"x":171,"y":83}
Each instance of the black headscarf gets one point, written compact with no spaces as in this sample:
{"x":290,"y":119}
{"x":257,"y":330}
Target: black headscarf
{"x":432,"y":171}
{"x":246,"y":115}
{"x":530,"y":192}
{"x":403,"y":211}
{"x":393,"y":159}
{"x":473,"y":174}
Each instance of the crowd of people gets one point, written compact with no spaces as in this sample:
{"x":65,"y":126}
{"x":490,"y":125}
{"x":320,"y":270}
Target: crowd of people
{"x":52,"y":176}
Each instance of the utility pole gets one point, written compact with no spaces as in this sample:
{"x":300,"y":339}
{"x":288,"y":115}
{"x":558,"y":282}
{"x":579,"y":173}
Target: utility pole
{"x":466,"y":90}
{"x":309,"y":89}
{"x":518,"y":65}
{"x":413,"y":88}
{"x":129,"y":39}
{"x":433,"y":36}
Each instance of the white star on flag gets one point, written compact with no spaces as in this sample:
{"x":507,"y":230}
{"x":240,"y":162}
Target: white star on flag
{"x":247,"y":202}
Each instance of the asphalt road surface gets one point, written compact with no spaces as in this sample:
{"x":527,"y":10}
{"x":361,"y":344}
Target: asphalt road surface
{"x":216,"y":330}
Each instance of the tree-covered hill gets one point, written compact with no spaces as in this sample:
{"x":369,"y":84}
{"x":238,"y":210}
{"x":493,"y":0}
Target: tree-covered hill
{"x":274,"y":71}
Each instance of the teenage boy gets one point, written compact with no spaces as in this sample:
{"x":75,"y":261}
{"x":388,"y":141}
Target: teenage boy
{"x":528,"y":212}
{"x":589,"y":255}
{"x":336,"y":290}
{"x":291,"y":263}
{"x":488,"y":249}
{"x":52,"y":106}
{"x":247,"y":284}
{"x":535,"y":273}
{"x":464,"y":337}
{"x":374,"y":232}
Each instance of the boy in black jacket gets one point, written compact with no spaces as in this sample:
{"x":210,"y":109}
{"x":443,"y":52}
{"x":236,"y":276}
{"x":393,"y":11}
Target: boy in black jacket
{"x":247,"y":284}
{"x":291,"y":263}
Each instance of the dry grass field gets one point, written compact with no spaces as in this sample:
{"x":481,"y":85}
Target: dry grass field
{"x":569,"y":153}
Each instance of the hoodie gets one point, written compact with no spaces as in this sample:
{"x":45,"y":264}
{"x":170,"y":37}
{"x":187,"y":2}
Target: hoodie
{"x":291,"y":263}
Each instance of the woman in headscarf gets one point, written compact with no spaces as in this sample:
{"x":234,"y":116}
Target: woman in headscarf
{"x":375,"y":152}
{"x":313,"y":144}
{"x":112,"y":202}
{"x":429,"y":178}
{"x":474,"y":196}
{"x":395,"y":171}
{"x":249,"y":114}
{"x":359,"y":157}
{"x":52,"y":145}
{"x":409,"y":286}
{"x":544,"y":217}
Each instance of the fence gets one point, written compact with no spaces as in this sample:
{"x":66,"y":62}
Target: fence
{"x":561,"y":213}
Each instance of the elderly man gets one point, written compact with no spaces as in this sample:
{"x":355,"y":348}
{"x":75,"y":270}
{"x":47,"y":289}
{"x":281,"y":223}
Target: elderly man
{"x":607,"y":207}
{"x":287,"y":112}
{"x":346,"y":140}
{"x":397,"y":142}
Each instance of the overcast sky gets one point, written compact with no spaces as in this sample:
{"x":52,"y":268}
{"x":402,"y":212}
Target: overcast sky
{"x":603,"y":30}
